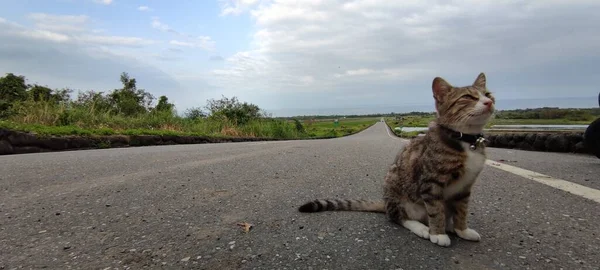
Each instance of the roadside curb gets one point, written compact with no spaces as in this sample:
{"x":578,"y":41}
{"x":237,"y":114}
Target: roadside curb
{"x":19,"y":142}
{"x":564,"y":142}
{"x":571,"y":142}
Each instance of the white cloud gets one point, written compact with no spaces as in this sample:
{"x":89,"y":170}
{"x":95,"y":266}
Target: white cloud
{"x":45,"y":35}
{"x":104,"y":2}
{"x":115,"y":40}
{"x":236,"y":7}
{"x":395,"y":46}
{"x":59,"y":23}
{"x":144,"y":8}
{"x":158,"y":25}
{"x":68,"y":62}
{"x":202,"y":42}
{"x":70,"y":29}
{"x":181,"y":43}
{"x":11,"y":29}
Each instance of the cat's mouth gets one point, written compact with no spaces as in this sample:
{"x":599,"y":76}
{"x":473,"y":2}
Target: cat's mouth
{"x":479,"y":117}
{"x":480,"y":114}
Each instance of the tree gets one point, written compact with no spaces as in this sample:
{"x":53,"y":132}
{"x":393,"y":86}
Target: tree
{"x":129,"y":100}
{"x":164,"y":105}
{"x":62,"y":95}
{"x":194,"y":113}
{"x":12,"y":89}
{"x":93,"y":101}
{"x":233,"y":110}
{"x":40,"y":93}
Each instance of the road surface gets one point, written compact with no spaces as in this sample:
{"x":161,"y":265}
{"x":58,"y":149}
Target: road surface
{"x":177,"y":207}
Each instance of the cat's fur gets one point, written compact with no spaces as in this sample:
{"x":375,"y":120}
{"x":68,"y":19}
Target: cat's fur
{"x":428,"y":186}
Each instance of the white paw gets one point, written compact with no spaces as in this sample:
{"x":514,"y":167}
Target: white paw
{"x":422,"y":232}
{"x":468,"y":234}
{"x":417,"y":228}
{"x":440,"y":239}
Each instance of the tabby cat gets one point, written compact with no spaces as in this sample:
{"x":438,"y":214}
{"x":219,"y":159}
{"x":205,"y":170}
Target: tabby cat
{"x":428,"y":186}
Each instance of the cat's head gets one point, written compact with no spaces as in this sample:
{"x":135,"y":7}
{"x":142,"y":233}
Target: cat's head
{"x":466,"y":109}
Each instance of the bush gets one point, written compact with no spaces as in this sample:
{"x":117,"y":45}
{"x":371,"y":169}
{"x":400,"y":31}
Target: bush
{"x":299,"y":126}
{"x":232,"y":110}
{"x":128,"y":110}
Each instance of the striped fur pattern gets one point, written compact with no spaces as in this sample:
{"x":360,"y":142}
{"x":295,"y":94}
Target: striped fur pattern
{"x":342,"y":205}
{"x":427,"y":189}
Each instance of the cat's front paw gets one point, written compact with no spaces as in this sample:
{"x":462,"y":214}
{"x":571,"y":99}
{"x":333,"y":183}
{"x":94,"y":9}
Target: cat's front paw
{"x":468,"y":234}
{"x":417,"y":228}
{"x":422,"y":232}
{"x":440,"y":239}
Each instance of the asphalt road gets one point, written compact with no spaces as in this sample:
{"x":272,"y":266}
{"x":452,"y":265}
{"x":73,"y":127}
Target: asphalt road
{"x":177,"y":207}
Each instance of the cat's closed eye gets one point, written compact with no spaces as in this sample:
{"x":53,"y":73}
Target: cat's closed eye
{"x":467,"y":96}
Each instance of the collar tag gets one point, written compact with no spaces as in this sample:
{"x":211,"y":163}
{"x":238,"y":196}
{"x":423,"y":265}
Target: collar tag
{"x":478,"y":143}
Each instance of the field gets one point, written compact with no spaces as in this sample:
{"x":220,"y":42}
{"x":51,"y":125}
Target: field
{"x":133,"y":111}
{"x":345,"y":126}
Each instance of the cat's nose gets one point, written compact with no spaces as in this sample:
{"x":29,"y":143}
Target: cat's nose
{"x":488,"y":103}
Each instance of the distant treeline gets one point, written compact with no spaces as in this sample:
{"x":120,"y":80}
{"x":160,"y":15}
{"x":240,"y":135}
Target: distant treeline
{"x":392,"y":114}
{"x":574,"y":114}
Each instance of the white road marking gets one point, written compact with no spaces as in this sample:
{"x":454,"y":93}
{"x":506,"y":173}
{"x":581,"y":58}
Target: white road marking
{"x":387,"y":129}
{"x":576,"y":189}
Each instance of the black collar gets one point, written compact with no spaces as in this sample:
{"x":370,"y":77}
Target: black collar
{"x":457,"y":135}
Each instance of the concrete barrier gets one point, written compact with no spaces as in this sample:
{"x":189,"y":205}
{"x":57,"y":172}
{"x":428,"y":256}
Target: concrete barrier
{"x":571,"y":142}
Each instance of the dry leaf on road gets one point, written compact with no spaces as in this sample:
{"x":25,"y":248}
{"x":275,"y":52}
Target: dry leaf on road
{"x":246,"y":226}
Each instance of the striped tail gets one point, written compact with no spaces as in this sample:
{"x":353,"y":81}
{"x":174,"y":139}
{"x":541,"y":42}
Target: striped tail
{"x":342,"y":205}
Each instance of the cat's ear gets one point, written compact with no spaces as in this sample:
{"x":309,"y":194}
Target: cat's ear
{"x":440,"y":87}
{"x":480,"y":81}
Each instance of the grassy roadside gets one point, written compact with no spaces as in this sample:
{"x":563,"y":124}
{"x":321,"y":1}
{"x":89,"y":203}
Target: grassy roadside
{"x":345,"y":126}
{"x":130,"y":110}
{"x":393,"y":123}
{"x":46,"y":138}
{"x":263,"y":128}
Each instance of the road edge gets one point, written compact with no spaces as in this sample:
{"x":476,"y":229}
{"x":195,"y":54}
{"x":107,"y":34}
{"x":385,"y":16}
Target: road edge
{"x":14,"y":142}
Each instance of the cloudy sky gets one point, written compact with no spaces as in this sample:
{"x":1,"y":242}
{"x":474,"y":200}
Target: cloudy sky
{"x":286,"y":55}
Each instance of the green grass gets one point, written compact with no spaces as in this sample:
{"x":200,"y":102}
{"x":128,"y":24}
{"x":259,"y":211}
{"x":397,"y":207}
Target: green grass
{"x":79,"y":131}
{"x":393,"y":123}
{"x":346,"y":126}
{"x":254,"y":129}
{"x":414,"y":121}
{"x":538,"y":122}
{"x":50,"y":119}
{"x":45,"y":120}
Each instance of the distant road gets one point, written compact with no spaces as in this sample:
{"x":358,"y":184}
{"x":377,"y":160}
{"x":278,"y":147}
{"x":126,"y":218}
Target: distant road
{"x":178,"y":206}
